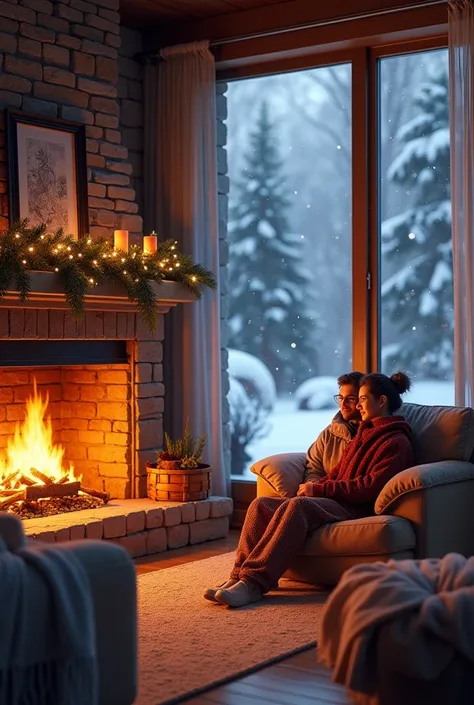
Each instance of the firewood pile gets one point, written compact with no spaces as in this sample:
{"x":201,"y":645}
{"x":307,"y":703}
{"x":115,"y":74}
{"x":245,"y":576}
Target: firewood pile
{"x":22,"y":495}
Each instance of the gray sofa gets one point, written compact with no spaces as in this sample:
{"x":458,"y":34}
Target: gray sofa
{"x":113,"y":582}
{"x":425,"y":511}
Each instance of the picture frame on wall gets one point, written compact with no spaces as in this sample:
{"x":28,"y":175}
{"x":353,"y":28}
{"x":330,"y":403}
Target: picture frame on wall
{"x":47,"y":172}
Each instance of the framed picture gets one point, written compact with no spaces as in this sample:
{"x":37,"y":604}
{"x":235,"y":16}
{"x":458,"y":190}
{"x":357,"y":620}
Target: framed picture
{"x":47,"y":172}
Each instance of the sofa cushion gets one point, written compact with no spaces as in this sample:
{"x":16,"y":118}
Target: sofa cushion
{"x":284,"y":472}
{"x":440,"y":432}
{"x":368,"y":536}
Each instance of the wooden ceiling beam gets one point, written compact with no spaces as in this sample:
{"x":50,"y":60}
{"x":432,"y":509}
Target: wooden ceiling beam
{"x":272,"y":19}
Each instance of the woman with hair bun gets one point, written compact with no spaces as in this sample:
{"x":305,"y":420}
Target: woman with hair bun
{"x":276,"y":528}
{"x":379,"y":395}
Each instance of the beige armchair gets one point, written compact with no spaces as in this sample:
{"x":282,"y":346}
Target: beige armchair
{"x":423,"y":512}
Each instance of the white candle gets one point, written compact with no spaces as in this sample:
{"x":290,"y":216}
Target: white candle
{"x":150,"y":244}
{"x":121,"y":240}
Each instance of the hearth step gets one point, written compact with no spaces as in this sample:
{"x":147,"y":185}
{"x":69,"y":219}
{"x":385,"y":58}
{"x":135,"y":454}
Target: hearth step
{"x":141,"y":526}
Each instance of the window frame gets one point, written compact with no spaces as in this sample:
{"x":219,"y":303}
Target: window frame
{"x":365,"y":62}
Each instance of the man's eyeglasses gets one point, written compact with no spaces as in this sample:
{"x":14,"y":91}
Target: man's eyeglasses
{"x":339,"y":399}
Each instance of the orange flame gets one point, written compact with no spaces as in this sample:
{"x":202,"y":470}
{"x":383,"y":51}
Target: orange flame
{"x":32,"y":447}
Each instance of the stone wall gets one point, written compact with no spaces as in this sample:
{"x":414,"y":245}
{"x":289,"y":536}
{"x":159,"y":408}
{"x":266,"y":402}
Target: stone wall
{"x":71,"y":59}
{"x":130,"y":93}
{"x":61,"y":59}
{"x":223,"y":199}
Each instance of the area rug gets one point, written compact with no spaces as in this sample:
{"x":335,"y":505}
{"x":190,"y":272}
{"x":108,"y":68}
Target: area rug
{"x":187,"y":644}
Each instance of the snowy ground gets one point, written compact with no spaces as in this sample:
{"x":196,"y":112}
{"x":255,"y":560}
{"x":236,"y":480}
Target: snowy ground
{"x":294,"y":431}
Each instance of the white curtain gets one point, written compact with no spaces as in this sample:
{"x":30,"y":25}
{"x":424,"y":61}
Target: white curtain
{"x":461,"y":68}
{"x":180,"y":181}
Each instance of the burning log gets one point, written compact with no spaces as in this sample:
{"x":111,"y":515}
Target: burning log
{"x":4,"y":503}
{"x":9,"y":478}
{"x":49,"y":489}
{"x":41,"y":476}
{"x":57,"y":489}
{"x":52,"y":490}
{"x":96,"y":493}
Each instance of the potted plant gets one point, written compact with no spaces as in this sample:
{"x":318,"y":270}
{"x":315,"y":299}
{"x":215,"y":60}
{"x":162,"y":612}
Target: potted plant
{"x":179,"y":474}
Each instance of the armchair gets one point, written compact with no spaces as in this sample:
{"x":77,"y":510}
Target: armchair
{"x":425,"y":511}
{"x":112,"y":578}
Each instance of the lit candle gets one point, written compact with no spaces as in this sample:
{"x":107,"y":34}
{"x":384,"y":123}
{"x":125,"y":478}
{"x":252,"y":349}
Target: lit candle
{"x":121,"y":240}
{"x":150,"y":244}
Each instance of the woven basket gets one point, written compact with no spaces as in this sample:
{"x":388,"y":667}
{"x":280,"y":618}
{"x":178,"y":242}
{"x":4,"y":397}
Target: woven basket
{"x":173,"y":485}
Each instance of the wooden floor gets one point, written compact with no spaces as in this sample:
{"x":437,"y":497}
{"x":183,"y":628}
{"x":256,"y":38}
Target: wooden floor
{"x":298,"y":680}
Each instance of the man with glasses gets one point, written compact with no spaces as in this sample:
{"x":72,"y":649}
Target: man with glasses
{"x":326,"y":451}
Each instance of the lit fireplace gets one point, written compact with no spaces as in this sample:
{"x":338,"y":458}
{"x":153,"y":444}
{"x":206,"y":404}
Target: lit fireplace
{"x":103,"y":376}
{"x":35,"y":480}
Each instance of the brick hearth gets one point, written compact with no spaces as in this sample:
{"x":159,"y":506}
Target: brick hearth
{"x":141,"y":526}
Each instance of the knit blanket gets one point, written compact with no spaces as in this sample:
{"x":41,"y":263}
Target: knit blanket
{"x":402,"y":632}
{"x":47,"y":644}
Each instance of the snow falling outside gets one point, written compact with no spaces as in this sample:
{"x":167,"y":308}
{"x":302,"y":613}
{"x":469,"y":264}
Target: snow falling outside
{"x":290,"y":232}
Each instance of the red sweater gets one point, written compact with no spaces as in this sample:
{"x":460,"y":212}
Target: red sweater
{"x":381,"y":448}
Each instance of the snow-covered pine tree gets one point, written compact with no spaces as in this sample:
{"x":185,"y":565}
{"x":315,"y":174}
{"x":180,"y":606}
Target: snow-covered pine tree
{"x":417,"y":243}
{"x":269,"y":285}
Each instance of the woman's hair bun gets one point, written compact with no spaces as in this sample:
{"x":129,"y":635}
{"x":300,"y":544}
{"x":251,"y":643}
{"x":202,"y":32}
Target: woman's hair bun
{"x":401,"y":382}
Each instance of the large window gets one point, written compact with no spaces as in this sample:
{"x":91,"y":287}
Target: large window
{"x":416,"y":299}
{"x":290,"y":231}
{"x":314,"y":220}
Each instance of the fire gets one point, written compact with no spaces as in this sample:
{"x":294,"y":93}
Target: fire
{"x":31,"y":449}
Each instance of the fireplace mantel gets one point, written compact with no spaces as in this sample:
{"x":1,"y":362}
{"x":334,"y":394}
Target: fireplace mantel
{"x":47,"y":292}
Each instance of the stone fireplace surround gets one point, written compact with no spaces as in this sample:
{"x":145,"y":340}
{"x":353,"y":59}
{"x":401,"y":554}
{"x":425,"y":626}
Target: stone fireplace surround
{"x":108,"y":417}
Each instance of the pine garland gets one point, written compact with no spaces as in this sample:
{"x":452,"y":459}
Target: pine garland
{"x":86,"y":263}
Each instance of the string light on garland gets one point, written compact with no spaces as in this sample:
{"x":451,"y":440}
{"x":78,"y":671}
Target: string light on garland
{"x":87,"y":263}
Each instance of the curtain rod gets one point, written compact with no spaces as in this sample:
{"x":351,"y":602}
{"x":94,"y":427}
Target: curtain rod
{"x":312,"y":25}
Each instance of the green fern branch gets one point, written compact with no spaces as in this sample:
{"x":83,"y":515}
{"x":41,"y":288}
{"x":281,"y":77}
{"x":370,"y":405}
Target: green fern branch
{"x":85,"y":263}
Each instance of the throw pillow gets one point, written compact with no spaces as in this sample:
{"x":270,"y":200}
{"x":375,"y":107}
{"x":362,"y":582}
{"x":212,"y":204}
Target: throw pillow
{"x":284,"y":472}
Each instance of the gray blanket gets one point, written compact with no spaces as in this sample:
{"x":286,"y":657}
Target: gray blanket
{"x":47,"y":643}
{"x":403,"y":632}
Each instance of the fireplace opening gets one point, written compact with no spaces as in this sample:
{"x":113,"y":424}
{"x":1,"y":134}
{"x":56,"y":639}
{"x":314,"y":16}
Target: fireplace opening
{"x":14,"y":353}
{"x":66,"y":436}
{"x":34,"y":478}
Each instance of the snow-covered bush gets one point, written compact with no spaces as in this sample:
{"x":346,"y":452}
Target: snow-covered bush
{"x":316,"y":393}
{"x":254,"y":376}
{"x":248,"y":422}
